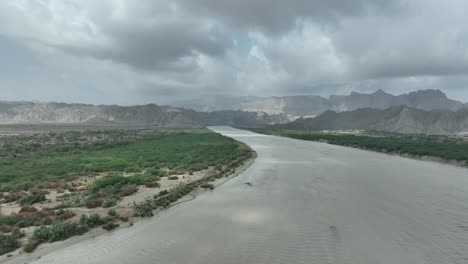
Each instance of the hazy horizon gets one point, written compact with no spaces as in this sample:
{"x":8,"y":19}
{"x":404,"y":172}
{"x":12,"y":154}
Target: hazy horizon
{"x":180,"y":102}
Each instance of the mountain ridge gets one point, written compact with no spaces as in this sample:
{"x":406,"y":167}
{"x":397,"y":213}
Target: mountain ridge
{"x":399,"y":119}
{"x":149,"y":115}
{"x":310,"y":105}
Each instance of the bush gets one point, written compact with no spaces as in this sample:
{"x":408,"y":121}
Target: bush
{"x":5,"y":220}
{"x":144,"y":210}
{"x":8,"y":243}
{"x":42,"y":233}
{"x":13,"y":197}
{"x":64,"y":214}
{"x":59,"y":230}
{"x":128,"y":190}
{"x":32,"y":199}
{"x":93,"y":203}
{"x":93,"y":220}
{"x":132,"y":169}
{"x":207,"y":186}
{"x":155,"y":172}
{"x":28,"y":209}
{"x":112,"y":213}
{"x":109,"y":203}
{"x":5,"y":228}
{"x":110,"y":226}
{"x":163,"y":192}
{"x":32,"y":244}
{"x":153,"y":184}
{"x":114,"y":184}
{"x":28,"y":221}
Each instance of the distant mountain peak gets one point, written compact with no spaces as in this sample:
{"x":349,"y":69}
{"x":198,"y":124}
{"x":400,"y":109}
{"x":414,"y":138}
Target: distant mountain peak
{"x":430,"y":92}
{"x":381,"y":92}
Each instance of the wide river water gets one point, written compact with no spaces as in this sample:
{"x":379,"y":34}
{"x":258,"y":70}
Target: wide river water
{"x":307,"y":202}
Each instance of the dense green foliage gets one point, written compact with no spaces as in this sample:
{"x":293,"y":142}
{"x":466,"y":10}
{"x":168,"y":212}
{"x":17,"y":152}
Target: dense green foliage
{"x":132,"y":151}
{"x":445,"y":147}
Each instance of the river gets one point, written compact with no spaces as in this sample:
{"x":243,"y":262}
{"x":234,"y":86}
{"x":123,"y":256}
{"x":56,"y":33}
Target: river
{"x":305,"y":202}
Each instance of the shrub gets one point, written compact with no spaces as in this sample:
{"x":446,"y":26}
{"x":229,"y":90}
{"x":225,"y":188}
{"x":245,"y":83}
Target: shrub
{"x":12,"y":197}
{"x":93,"y":220}
{"x":109,"y":203}
{"x":123,"y":218}
{"x":144,"y":210}
{"x":207,"y":186}
{"x":32,"y":244}
{"x":153,"y":184}
{"x":83,"y":219}
{"x":112,"y":213}
{"x":154,"y":172}
{"x":128,"y":190}
{"x":42,"y":233}
{"x":163,"y":192}
{"x":28,"y":221}
{"x":5,"y":228}
{"x":8,"y":243}
{"x":32,"y":198}
{"x":64,"y":214}
{"x":5,"y":220}
{"x":132,"y":169}
{"x":109,"y":226}
{"x":28,"y":209}
{"x":59,"y":230}
{"x":93,"y":203}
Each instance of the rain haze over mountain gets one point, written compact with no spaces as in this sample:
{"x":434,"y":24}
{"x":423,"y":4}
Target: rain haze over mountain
{"x":136,"y":52}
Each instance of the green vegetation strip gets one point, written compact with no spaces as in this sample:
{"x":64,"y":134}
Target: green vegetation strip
{"x":32,"y":166}
{"x":186,"y":151}
{"x":444,"y":147}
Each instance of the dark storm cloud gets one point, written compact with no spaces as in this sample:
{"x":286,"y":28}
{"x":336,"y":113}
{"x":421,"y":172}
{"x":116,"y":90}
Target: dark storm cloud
{"x":148,"y":49}
{"x":170,"y":47}
{"x":278,"y":16}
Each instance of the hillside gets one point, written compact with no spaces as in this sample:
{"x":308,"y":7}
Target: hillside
{"x":138,"y":116}
{"x":401,"y":119}
{"x":150,"y":115}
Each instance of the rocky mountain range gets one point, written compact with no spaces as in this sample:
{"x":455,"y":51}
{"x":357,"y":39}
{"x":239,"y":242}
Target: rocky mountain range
{"x":427,"y":111}
{"x":133,"y":116}
{"x":315,"y":105}
{"x":400,"y":119}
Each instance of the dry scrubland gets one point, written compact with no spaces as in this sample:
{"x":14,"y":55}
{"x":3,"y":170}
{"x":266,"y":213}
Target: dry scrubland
{"x":61,"y":184}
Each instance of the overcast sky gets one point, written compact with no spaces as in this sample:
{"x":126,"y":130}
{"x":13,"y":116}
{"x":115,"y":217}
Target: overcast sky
{"x":142,"y":51}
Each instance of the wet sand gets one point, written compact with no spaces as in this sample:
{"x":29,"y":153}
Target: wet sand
{"x":306,"y":202}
